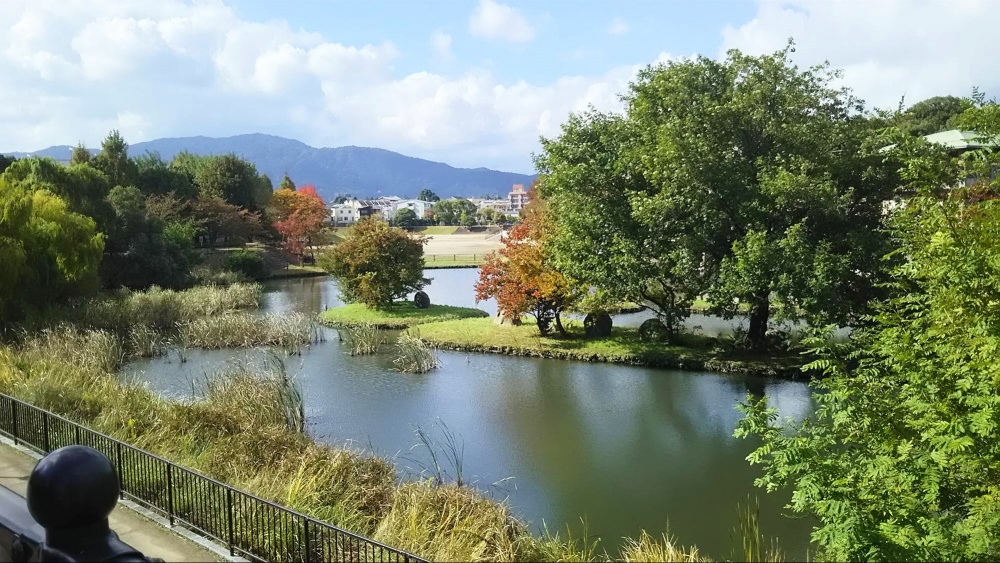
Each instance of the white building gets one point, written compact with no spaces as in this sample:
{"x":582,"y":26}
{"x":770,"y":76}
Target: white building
{"x":420,"y":207}
{"x":517,"y":199}
{"x":501,"y":205}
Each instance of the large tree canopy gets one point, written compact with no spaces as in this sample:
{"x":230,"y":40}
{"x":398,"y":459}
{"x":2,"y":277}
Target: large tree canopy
{"x":233,"y":179}
{"x":901,"y":460}
{"x":449,"y":211}
{"x":931,"y":115}
{"x":47,"y":251}
{"x":747,"y":179}
{"x":83,"y":187}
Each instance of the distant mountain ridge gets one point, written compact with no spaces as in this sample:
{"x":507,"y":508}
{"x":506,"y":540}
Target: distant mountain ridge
{"x":359,"y":171}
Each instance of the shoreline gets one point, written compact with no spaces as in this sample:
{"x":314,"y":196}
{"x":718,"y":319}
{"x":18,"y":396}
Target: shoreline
{"x":717,"y":365}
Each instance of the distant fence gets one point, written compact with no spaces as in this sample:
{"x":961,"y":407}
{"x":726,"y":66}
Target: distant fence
{"x":249,"y":526}
{"x":469,"y":258}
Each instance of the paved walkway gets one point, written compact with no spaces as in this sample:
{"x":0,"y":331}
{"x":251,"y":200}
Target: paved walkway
{"x":149,"y":537}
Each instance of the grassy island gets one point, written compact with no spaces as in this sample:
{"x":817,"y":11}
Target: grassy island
{"x":402,"y":315}
{"x":623,"y":347}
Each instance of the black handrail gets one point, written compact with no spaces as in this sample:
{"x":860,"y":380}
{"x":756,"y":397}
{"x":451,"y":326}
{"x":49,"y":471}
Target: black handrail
{"x":247,"y":525}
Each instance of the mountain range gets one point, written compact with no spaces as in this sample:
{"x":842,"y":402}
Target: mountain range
{"x":358,"y":171}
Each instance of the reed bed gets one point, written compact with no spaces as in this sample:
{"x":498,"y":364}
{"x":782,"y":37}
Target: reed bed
{"x":413,"y":355}
{"x":363,"y":339}
{"x":246,"y":330}
{"x":159,"y":309}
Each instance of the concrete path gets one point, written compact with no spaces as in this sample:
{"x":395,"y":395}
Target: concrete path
{"x":144,"y":534}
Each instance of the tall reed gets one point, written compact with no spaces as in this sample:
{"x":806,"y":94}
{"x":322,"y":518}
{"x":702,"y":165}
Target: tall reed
{"x":246,"y":330}
{"x":413,"y":355}
{"x":363,"y":339}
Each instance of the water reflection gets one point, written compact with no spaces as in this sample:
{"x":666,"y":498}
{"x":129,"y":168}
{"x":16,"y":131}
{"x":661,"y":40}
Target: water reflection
{"x":625,"y":447}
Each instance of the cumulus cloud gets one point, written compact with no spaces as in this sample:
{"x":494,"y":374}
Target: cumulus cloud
{"x":618,"y":26}
{"x":74,"y":70}
{"x":441,"y":42}
{"x":494,"y":20}
{"x":887,"y":49}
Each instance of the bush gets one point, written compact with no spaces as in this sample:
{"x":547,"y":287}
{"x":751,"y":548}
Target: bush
{"x":653,"y":330}
{"x":597,"y":325}
{"x":421,"y":300}
{"x":248,"y":263}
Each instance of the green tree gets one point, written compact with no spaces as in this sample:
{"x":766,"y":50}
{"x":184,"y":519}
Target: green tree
{"x":406,"y":217}
{"x":142,"y":251}
{"x":427,"y":195}
{"x":83,"y":187}
{"x":932,"y":115}
{"x":286,"y":183}
{"x":900,"y":460}
{"x":769,"y":188}
{"x":114,"y":162}
{"x":80,"y":155}
{"x":234,"y":180}
{"x":377,"y":264}
{"x":47,"y":251}
{"x":449,"y":211}
{"x":156,"y":177}
{"x":6,"y":161}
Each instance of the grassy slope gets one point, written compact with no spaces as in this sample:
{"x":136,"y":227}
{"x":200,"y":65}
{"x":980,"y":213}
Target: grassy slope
{"x":436,"y":230}
{"x":483,"y":335}
{"x":402,"y":315}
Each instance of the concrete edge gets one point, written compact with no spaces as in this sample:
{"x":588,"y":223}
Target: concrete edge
{"x":180,"y":530}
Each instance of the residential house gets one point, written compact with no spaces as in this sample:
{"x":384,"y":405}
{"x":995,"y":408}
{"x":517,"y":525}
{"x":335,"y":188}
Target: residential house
{"x":420,"y":207}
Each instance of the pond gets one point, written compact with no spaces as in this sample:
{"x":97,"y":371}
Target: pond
{"x":623,"y":447}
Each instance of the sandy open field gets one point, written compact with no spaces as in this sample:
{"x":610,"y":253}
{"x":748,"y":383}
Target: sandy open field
{"x":462,"y":244}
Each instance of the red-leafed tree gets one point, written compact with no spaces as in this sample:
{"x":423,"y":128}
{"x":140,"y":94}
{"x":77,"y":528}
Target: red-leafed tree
{"x":301,"y":218}
{"x":520,"y":278}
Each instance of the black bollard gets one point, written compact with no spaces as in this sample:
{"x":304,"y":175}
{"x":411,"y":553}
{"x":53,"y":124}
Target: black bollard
{"x":71,"y":492}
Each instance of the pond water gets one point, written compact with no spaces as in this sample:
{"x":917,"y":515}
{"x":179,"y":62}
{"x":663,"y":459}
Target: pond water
{"x":623,"y":447}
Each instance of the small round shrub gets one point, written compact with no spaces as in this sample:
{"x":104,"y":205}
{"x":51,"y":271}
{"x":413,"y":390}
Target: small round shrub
{"x":421,"y":300}
{"x":248,"y":263}
{"x":597,"y":325}
{"x":653,"y":330}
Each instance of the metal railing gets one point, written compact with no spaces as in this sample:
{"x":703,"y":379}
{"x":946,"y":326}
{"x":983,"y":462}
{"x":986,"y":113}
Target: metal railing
{"x":477,"y":258}
{"x":247,"y":525}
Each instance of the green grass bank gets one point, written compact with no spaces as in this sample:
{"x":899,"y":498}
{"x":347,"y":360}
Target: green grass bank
{"x":402,"y":315}
{"x":622,"y":347}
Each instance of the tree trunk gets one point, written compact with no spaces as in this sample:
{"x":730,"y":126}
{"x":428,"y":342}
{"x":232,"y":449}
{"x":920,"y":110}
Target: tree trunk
{"x":559,"y":325}
{"x":760,"y":311}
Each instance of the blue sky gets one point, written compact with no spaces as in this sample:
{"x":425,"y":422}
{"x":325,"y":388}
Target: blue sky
{"x":570,"y":37}
{"x":470,"y":83}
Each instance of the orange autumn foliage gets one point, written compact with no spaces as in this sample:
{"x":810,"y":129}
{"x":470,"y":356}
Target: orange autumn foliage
{"x":301,"y":217}
{"x":521,"y":280}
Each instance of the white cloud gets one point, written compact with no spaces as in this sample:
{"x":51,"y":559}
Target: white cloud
{"x":494,"y":20}
{"x":887,"y":49}
{"x":74,"y":70}
{"x":442,"y":46}
{"x":618,"y":26}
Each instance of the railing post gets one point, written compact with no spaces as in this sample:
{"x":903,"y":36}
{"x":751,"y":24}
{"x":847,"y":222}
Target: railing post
{"x":229,"y":519}
{"x":118,"y":464}
{"x":305,"y":525}
{"x":45,"y":429}
{"x":170,"y":493}
{"x":14,"y":430}
{"x":76,"y":433}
